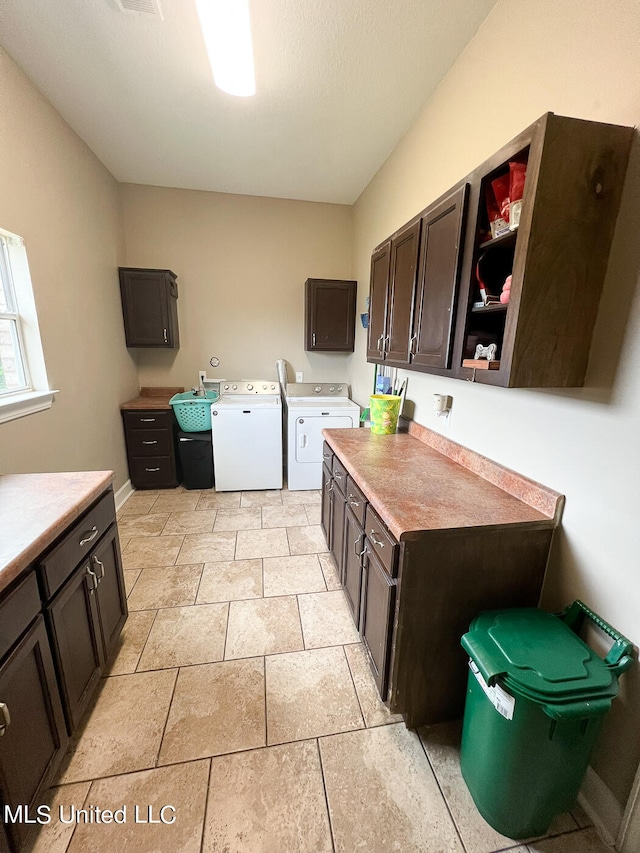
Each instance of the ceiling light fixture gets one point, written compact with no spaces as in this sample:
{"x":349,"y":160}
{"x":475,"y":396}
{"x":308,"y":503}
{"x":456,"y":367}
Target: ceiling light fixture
{"x":226,"y":28}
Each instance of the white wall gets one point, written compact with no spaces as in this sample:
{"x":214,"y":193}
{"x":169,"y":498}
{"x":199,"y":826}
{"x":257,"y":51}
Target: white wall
{"x":578,"y":59}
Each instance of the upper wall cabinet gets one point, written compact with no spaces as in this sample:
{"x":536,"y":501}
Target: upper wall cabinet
{"x":530,"y":275}
{"x":414,"y":287}
{"x":330,"y":315}
{"x":149,"y":307}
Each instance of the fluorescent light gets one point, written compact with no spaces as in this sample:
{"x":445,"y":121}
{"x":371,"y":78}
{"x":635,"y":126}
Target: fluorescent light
{"x":227,"y":34}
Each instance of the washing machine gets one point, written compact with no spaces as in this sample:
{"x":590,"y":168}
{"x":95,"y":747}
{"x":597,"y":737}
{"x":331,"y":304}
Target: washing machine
{"x":310,"y":408}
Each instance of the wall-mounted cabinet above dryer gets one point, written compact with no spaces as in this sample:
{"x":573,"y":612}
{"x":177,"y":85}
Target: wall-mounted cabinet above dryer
{"x":330,"y":315}
{"x":149,"y":307}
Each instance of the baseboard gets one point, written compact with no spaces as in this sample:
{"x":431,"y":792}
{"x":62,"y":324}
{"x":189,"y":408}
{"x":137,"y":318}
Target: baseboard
{"x":602,"y":807}
{"x":123,"y":494}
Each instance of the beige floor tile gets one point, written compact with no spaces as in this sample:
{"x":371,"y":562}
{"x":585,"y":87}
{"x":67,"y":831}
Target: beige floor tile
{"x":582,"y":841}
{"x":303,"y":496}
{"x":131,"y":642}
{"x":395,"y":804}
{"x":139,"y":503}
{"x":263,"y":626}
{"x":290,"y":575}
{"x":217,"y":708}
{"x":306,"y":540}
{"x":268,"y":800}
{"x":124,"y":728}
{"x":177,"y":502}
{"x":183,"y":636}
{"x":239,"y":519}
{"x":176,"y":793}
{"x":580,"y":816}
{"x":326,"y":620}
{"x":262,"y":543}
{"x":442,"y":743}
{"x":310,"y":694}
{"x":267,"y":497}
{"x":284,"y":516}
{"x":130,"y":578}
{"x":207,"y":547}
{"x":218,"y":500}
{"x":54,"y":837}
{"x":143,"y":552}
{"x":373,"y":708}
{"x":314,"y":513}
{"x":170,"y":586}
{"x":190,"y":522}
{"x":329,"y":570}
{"x":143,"y":525}
{"x":232,"y":580}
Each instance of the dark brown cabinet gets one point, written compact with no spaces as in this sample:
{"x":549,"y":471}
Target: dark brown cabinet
{"x":352,"y":563}
{"x":556,"y":252}
{"x":330,"y":315}
{"x":151,"y":453}
{"x":378,"y":599}
{"x":149,"y":307}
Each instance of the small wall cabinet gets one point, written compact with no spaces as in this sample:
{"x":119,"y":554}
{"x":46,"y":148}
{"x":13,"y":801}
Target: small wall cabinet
{"x":430,"y":315}
{"x":330,"y":315}
{"x":149,"y":307}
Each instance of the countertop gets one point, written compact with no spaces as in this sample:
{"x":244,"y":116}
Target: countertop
{"x":415,"y":487}
{"x":152,"y":398}
{"x":36,"y":508}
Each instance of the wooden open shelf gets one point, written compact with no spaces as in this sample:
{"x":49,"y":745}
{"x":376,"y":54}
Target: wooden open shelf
{"x":481,"y":364}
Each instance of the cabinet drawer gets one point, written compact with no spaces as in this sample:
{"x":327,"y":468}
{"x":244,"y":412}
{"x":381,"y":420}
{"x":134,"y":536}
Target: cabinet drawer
{"x":356,"y":501}
{"x":82,"y":537}
{"x":339,"y":475}
{"x":149,"y":442}
{"x":151,"y":472}
{"x":155,"y":419}
{"x":17,"y":611}
{"x":382,"y":542}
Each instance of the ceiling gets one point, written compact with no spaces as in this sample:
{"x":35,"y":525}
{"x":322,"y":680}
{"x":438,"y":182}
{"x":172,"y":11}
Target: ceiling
{"x":338,"y":84}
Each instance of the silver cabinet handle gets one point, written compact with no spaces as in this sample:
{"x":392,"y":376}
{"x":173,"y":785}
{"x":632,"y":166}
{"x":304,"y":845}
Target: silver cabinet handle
{"x":412,"y":344}
{"x":355,"y":548}
{"x":313,"y":339}
{"x":353,"y":502}
{"x":165,"y":335}
{"x":151,"y":470}
{"x":155,"y":441}
{"x":147,"y":420}
{"x":96,"y":562}
{"x":337,"y":477}
{"x":92,"y":580}
{"x":5,"y":718}
{"x":90,"y":536}
{"x":329,"y":487}
{"x":380,"y":343}
{"x":375,"y":541}
{"x":326,"y":456}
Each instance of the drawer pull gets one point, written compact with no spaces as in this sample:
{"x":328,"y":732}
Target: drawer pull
{"x":326,"y":456}
{"x":329,"y":487}
{"x":5,"y":718}
{"x":353,"y":502}
{"x":92,"y":580}
{"x":155,"y":441}
{"x":355,"y":548}
{"x":378,"y":542}
{"x":337,"y":476}
{"x":151,"y":470}
{"x":147,"y":420}
{"x":90,"y":536}
{"x":96,"y":562}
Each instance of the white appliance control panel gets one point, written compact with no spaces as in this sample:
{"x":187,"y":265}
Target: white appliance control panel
{"x":298,"y":390}
{"x":254,"y":386}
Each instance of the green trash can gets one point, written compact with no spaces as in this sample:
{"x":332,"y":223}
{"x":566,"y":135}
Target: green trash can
{"x":537,"y":695}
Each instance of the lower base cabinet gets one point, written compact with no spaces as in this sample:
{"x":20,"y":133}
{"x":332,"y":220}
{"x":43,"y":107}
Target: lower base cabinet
{"x":378,"y":601}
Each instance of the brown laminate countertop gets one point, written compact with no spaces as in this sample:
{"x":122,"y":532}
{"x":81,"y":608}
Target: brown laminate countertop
{"x":151,"y":398}
{"x":36,"y":508}
{"x":414,"y":487}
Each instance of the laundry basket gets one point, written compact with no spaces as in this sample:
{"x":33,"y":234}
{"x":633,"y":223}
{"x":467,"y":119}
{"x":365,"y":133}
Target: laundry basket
{"x":193,"y":413}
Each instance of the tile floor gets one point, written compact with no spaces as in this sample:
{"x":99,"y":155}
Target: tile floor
{"x":240,"y":703}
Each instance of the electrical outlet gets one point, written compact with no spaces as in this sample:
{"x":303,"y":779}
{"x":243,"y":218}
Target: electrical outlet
{"x":299,"y":376}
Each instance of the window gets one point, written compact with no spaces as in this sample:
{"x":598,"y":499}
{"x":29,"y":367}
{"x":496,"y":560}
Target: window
{"x":24,"y":387}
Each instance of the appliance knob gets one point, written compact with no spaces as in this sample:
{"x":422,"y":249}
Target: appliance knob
{"x":226,"y":387}
{"x":300,"y":420}
{"x":214,"y":414}
{"x":332,"y":388}
{"x":339,"y":388}
{"x":249,"y":387}
{"x":273,"y":387}
{"x":318,"y":389}
{"x":264,"y":387}
{"x":234,"y":387}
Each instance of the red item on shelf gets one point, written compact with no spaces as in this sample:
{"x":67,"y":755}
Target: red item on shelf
{"x":517,"y":175}
{"x":500,"y":187}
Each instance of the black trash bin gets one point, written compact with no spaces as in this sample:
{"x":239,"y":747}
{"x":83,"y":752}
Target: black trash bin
{"x":196,"y":459}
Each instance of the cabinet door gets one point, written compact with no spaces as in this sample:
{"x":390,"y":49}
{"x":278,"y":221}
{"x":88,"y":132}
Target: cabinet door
{"x":404,"y":271}
{"x":438,"y":281}
{"x":110,"y":594}
{"x":77,"y":642}
{"x":148,"y":307}
{"x":377,"y":614}
{"x":352,"y":563}
{"x":34,"y":741}
{"x":330,"y":315}
{"x":378,"y":302}
{"x":337,"y":528}
{"x":327,"y":504}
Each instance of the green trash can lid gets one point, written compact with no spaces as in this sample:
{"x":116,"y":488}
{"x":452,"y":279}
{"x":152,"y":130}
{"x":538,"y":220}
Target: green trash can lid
{"x":536,"y":655}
